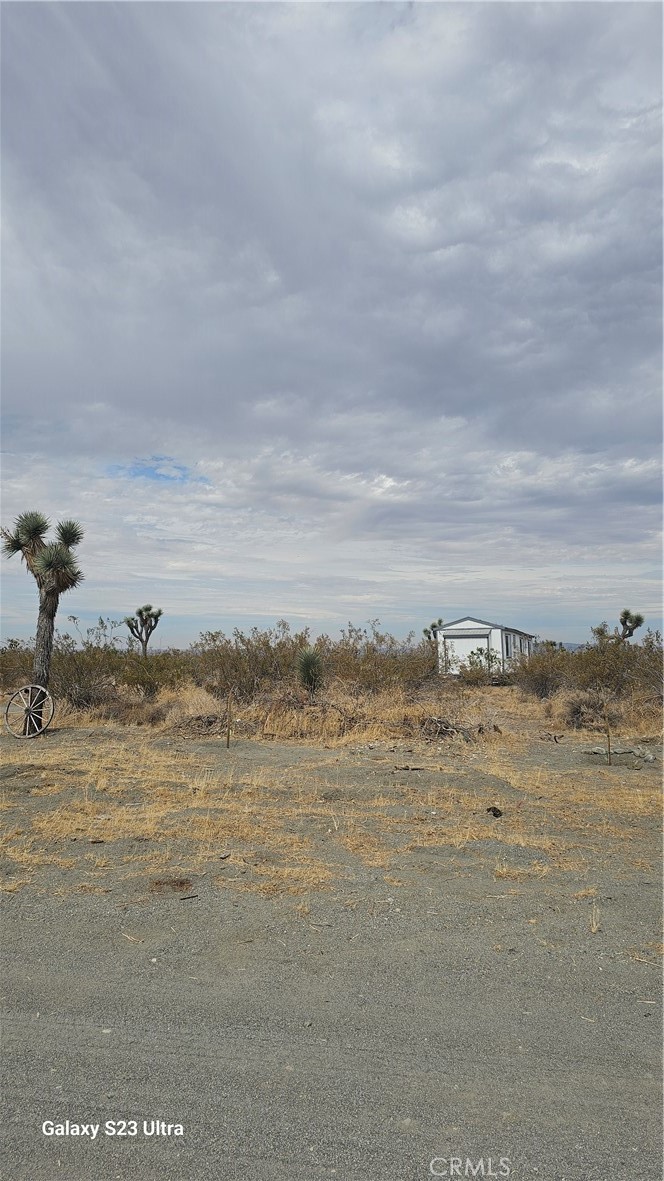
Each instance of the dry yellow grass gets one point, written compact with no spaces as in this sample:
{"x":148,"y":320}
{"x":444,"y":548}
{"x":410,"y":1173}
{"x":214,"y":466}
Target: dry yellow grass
{"x":12,"y":885}
{"x":180,"y":809}
{"x":503,"y":871}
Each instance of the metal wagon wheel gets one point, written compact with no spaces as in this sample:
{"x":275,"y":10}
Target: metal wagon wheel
{"x":29,"y":711}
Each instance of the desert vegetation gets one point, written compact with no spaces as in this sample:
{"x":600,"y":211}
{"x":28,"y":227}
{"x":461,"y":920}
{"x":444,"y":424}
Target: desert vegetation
{"x":606,"y":679}
{"x":279,"y":682}
{"x":345,"y":756}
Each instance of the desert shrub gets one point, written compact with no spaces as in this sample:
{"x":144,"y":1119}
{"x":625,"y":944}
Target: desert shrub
{"x":148,"y":675}
{"x":481,"y":667}
{"x":375,"y":660}
{"x":545,"y":671}
{"x":244,"y":663}
{"x":83,"y":671}
{"x":82,"y":677}
{"x":16,"y":657}
{"x":612,"y":665}
{"x":366,"y":657}
{"x":138,"y":673}
{"x":608,"y":665}
{"x":587,"y":710}
{"x":340,"y":711}
{"x":189,"y":700}
{"x":473,"y":675}
{"x":130,"y":711}
{"x":645,"y":674}
{"x":85,"y":677}
{"x":89,"y":671}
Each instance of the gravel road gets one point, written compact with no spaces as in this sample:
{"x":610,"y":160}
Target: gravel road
{"x":362,"y":1042}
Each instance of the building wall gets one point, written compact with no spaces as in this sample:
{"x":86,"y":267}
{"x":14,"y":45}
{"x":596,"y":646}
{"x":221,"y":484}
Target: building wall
{"x":519,"y":644}
{"x":505,"y":645}
{"x":459,"y":649}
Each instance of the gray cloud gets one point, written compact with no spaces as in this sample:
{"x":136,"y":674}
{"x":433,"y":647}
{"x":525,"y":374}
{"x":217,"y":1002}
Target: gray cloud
{"x":388,"y":277}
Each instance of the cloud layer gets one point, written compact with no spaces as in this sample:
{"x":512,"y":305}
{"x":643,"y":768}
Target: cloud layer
{"x":337,"y":311}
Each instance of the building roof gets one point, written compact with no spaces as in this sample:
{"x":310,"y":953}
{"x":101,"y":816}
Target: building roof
{"x":485,"y":623}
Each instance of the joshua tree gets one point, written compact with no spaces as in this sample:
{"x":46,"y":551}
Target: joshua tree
{"x":429,"y":632}
{"x":143,"y":623}
{"x":54,"y":569}
{"x":629,"y":624}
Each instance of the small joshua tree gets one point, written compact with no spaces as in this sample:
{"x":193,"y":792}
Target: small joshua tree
{"x":430,"y":634}
{"x":629,"y":623}
{"x":54,"y":569}
{"x":310,"y":669}
{"x":142,"y":624}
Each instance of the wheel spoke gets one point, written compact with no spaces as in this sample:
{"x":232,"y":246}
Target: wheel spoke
{"x":29,"y":711}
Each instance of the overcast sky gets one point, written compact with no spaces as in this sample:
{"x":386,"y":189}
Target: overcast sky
{"x":335,"y":312}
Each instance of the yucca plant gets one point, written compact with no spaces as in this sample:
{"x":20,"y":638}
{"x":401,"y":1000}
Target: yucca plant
{"x":53,"y":567}
{"x":310,"y":669}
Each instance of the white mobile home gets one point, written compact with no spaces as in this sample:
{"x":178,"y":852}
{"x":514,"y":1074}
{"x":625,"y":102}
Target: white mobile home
{"x":456,"y":640}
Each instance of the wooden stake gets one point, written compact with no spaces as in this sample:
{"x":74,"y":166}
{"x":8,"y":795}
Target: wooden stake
{"x":228,"y":721}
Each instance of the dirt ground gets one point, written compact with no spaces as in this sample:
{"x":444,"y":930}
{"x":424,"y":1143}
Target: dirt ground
{"x":349,"y":960}
{"x":110,"y":808}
